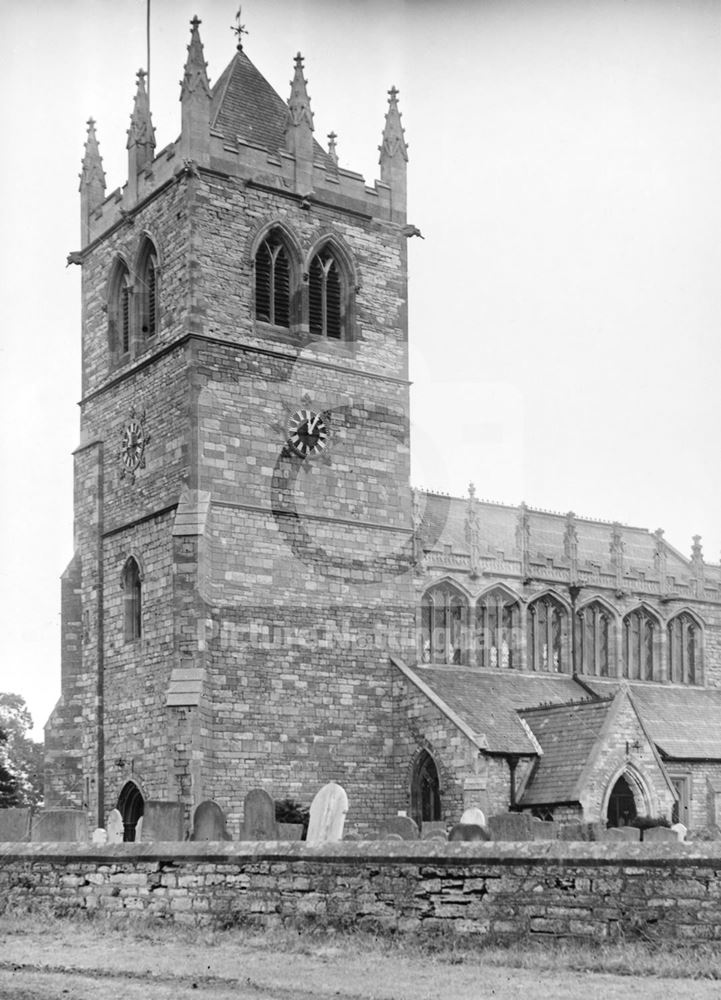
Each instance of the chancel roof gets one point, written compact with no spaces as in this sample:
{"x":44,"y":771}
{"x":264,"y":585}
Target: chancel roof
{"x":245,"y":106}
{"x":683,"y":722}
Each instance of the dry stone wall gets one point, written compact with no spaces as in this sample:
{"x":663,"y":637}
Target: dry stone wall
{"x":520,"y":891}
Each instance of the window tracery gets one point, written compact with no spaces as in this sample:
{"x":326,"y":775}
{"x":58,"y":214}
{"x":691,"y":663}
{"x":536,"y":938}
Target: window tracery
{"x":684,"y":649}
{"x":547,"y":628}
{"x":497,"y":630}
{"x":640,"y":641}
{"x":595,"y":639}
{"x":273,"y":282}
{"x":444,"y":617}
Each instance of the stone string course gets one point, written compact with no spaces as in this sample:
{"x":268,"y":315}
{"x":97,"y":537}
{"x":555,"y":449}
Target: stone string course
{"x":593,"y":891}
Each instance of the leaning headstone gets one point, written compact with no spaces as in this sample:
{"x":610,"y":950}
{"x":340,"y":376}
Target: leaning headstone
{"x":259,"y":816}
{"x":60,"y":825}
{"x":327,"y":814}
{"x":209,"y":822}
{"x":403,"y":825}
{"x":100,"y":836}
{"x":162,"y":821}
{"x":14,"y":825}
{"x":475,"y":816}
{"x":511,"y":826}
{"x":680,"y":830}
{"x":659,"y":835}
{"x":622,"y":833}
{"x":115,"y":827}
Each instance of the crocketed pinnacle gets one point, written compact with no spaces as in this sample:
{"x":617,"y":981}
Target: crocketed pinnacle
{"x":92,"y":176}
{"x":299,"y":102}
{"x":141,"y":131}
{"x":195,"y":77}
{"x":394,"y":142}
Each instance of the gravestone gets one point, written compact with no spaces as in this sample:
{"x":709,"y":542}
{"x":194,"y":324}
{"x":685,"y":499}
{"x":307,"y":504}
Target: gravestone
{"x":680,"y":830}
{"x":545,"y":830}
{"x":99,"y":836}
{"x":433,"y":834}
{"x":327,"y":814}
{"x":209,"y":822}
{"x":392,"y":836}
{"x":659,"y":835}
{"x":63,"y":825}
{"x":621,"y":833}
{"x":402,"y":825}
{"x":467,"y":831}
{"x":259,"y":816}
{"x":139,"y":830}
{"x":511,"y":826}
{"x":114,"y":827}
{"x":290,"y":831}
{"x":474,"y":816}
{"x":14,"y":825}
{"x":162,"y":821}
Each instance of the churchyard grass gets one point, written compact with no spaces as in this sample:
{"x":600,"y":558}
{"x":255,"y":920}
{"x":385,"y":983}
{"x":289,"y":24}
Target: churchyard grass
{"x":42,"y":957}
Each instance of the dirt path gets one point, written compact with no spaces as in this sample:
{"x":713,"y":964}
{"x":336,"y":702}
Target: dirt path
{"x":86,"y":962}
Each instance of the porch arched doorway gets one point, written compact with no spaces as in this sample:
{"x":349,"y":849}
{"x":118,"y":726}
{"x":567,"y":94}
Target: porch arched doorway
{"x":621,"y":804}
{"x":425,"y":790}
{"x":131,"y":806}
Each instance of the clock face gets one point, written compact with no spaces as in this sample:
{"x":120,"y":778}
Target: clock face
{"x":307,"y":433}
{"x":133,"y":445}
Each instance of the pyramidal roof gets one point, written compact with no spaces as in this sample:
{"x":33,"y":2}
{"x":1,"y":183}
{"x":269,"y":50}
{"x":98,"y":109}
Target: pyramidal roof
{"x":245,"y":105}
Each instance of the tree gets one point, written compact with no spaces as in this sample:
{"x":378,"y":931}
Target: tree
{"x":21,"y":758}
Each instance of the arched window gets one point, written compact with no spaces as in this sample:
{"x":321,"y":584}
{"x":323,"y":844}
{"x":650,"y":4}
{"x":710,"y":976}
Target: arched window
{"x":425,"y":791}
{"x":131,"y":806}
{"x":684,"y":650}
{"x":498,"y":618}
{"x":132,"y":591}
{"x":148,"y":290}
{"x":595,"y":640}
{"x":444,"y":618}
{"x":640,"y":641}
{"x":272,"y":282}
{"x":547,"y":635}
{"x":326,"y":307}
{"x":119,"y":310}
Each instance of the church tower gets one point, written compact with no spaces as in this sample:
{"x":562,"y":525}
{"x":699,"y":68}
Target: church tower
{"x":243,"y":533}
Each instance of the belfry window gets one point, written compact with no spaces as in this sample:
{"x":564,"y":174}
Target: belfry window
{"x":119,"y":310}
{"x":148,"y":290}
{"x":595,"y":635}
{"x":325,"y":296}
{"x":684,"y":650}
{"x":547,"y":628}
{"x":272,"y":282}
{"x":497,"y":630}
{"x":132,"y":600}
{"x":444,"y":616}
{"x":640,"y":640}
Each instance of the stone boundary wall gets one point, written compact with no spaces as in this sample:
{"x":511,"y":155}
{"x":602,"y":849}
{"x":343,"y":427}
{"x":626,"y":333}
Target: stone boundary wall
{"x":494,"y":890}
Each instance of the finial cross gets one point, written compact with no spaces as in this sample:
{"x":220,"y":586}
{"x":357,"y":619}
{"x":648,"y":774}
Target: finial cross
{"x":239,"y":30}
{"x":393,"y":93}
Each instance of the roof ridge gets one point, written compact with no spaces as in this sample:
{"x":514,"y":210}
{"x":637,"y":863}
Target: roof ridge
{"x":547,"y":706}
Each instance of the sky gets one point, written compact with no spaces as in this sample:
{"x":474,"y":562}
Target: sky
{"x":565,"y":303}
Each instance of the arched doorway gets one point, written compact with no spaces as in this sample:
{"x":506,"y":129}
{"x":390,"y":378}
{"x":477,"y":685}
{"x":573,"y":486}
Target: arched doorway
{"x":130,"y":806}
{"x":425,"y":790}
{"x":621,"y":804}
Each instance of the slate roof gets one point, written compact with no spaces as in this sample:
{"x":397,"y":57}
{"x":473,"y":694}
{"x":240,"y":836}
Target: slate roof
{"x":444,"y":520}
{"x":683,"y":722}
{"x":489,"y":702}
{"x":244,"y":104}
{"x":567,"y":734}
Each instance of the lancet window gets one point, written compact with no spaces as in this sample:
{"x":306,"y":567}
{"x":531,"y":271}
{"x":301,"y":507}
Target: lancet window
{"x":497,"y":630}
{"x":119,"y":310}
{"x":444,"y":622}
{"x":684,"y":649}
{"x":595,"y":640}
{"x":547,"y":635}
{"x":148,"y":290}
{"x":272,"y":282}
{"x":132,"y":594}
{"x":641,"y":636}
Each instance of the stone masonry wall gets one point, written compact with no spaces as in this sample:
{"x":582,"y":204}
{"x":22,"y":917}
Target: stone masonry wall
{"x":667,"y":892}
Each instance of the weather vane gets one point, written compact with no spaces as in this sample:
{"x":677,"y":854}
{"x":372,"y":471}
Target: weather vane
{"x":239,"y":30}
